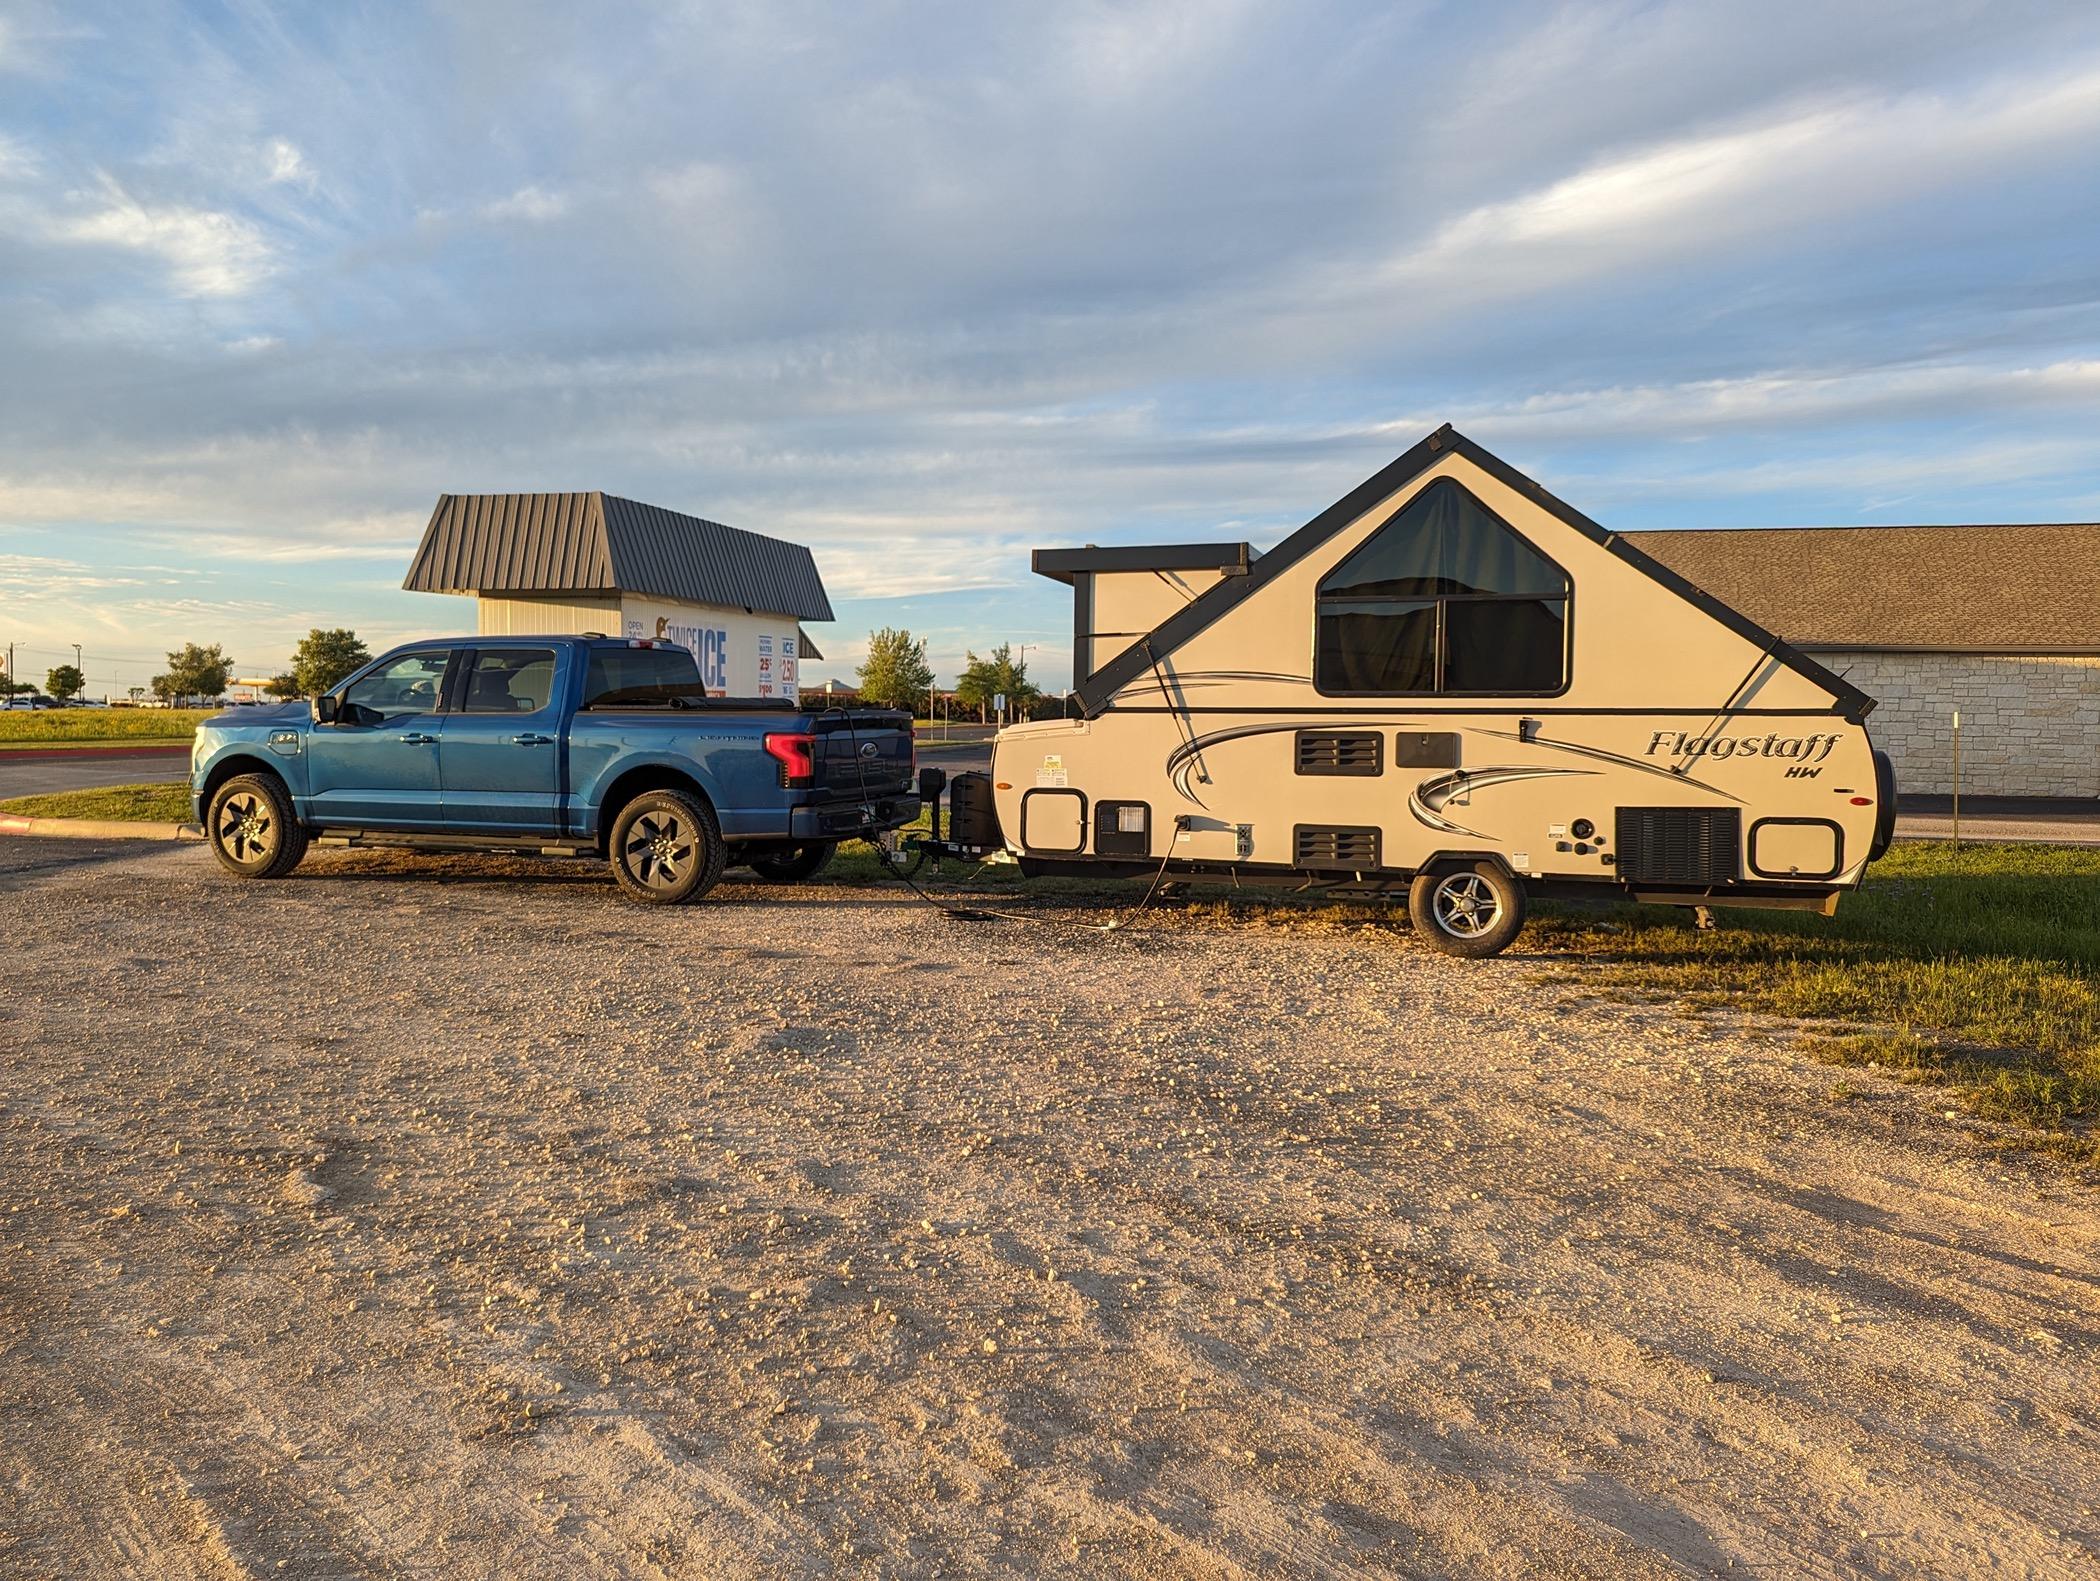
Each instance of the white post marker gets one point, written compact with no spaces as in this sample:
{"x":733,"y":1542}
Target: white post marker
{"x":1957,"y":776}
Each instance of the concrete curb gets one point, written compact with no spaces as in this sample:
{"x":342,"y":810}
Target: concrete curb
{"x":96,"y":829}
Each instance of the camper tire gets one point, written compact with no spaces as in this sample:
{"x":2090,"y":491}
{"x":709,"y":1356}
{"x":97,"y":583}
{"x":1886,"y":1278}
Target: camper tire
{"x":792,"y":864}
{"x":1471,"y":910}
{"x":666,"y":848}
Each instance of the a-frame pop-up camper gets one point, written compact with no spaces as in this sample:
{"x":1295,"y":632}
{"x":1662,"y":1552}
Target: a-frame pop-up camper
{"x":1447,"y":680}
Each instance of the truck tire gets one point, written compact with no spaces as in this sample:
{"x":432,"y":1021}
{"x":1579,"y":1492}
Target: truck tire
{"x":793,"y":864}
{"x":666,"y":848}
{"x":1467,"y":911}
{"x":250,"y":827}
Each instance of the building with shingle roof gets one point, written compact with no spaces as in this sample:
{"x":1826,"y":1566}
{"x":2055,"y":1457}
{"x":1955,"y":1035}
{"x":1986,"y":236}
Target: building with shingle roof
{"x":595,"y":562}
{"x":1999,"y":623}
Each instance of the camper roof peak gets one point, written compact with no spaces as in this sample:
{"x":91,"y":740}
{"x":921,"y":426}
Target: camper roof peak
{"x":1095,"y":684}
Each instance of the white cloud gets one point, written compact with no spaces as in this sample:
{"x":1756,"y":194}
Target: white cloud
{"x":288,"y":167}
{"x":1700,"y":192}
{"x":208,"y":253}
{"x":533,"y":204}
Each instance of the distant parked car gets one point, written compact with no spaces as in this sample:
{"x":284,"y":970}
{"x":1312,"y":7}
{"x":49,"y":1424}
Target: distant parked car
{"x":23,"y":702}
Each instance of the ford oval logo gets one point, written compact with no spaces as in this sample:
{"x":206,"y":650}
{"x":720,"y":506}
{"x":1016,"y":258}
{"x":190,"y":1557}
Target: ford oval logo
{"x":869,"y":749}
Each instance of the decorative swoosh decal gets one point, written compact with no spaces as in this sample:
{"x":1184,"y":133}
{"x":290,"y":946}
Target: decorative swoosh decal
{"x":1185,"y":757}
{"x":1612,"y":757}
{"x":1426,"y":801}
{"x":1201,"y":680}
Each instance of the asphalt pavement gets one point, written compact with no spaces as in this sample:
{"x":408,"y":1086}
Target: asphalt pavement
{"x":34,"y":773}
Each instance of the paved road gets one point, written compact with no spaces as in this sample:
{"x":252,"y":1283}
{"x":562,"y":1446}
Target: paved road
{"x":2065,"y":829}
{"x":38,"y":774}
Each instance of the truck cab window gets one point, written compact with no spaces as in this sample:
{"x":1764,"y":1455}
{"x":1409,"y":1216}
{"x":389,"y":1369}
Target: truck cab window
{"x":410,"y":685}
{"x":510,"y":681}
{"x":1444,"y":598}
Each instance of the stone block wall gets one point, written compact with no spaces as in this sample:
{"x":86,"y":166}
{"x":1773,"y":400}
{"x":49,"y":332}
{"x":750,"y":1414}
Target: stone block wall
{"x":2029,"y":726}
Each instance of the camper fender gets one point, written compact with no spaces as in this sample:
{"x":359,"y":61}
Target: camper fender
{"x":1444,"y":861}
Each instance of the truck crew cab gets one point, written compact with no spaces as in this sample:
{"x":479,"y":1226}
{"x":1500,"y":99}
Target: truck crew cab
{"x":558,"y":746}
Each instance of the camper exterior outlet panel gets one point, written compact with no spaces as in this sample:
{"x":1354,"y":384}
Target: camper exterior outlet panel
{"x":1456,"y":661}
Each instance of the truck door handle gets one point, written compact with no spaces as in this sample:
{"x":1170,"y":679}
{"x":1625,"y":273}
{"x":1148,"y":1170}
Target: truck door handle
{"x":530,"y":740}
{"x":416,"y":738}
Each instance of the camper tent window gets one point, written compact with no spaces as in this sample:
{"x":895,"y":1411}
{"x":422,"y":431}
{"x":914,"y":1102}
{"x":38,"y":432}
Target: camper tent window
{"x":1445,"y":597}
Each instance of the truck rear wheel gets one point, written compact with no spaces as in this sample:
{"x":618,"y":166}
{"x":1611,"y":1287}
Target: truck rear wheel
{"x":251,"y":828}
{"x":1467,"y":911}
{"x":666,"y":848}
{"x":793,"y":864}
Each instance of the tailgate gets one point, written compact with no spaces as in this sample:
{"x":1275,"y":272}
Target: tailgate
{"x":863,"y":750}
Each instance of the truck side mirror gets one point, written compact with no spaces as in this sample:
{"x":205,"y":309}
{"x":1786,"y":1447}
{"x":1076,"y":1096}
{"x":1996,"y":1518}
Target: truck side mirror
{"x":326,"y":709}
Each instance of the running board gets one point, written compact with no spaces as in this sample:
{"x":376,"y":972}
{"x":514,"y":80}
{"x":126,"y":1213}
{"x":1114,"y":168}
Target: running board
{"x":405,"y":838}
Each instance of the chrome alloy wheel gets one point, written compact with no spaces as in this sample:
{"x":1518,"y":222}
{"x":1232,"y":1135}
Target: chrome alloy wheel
{"x":1466,"y":906}
{"x":658,"y":849}
{"x":247,"y":829}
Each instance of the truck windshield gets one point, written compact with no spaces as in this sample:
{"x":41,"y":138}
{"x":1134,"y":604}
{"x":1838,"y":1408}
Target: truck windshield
{"x":662,"y":676}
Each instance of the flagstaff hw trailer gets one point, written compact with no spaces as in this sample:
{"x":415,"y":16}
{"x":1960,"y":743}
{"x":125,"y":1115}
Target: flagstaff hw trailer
{"x":1448,"y":681}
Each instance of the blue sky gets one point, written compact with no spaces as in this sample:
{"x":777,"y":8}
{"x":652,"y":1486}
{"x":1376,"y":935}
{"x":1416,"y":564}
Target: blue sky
{"x":925,"y":286}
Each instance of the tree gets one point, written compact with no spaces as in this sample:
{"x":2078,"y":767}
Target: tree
{"x":896,"y":673}
{"x":284,"y":686}
{"x":323,"y":658}
{"x":193,"y":672}
{"x":993,"y":676}
{"x":65,"y":681}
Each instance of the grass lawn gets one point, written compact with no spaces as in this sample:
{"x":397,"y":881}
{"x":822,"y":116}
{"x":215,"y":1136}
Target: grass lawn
{"x":1975,"y":965}
{"x":66,"y":726}
{"x":124,"y":803}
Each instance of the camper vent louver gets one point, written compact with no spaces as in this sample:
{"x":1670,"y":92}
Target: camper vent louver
{"x":1348,"y":847}
{"x":1356,"y":752}
{"x":1680,"y":845}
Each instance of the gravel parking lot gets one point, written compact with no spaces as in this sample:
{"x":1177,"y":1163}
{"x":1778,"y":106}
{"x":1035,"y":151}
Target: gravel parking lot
{"x":439,"y":1216}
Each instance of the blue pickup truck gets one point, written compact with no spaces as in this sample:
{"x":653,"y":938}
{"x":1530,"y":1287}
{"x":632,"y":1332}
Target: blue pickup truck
{"x":556,"y":745}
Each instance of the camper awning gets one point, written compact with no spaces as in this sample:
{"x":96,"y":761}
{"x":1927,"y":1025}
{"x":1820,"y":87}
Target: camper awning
{"x":1062,"y":565}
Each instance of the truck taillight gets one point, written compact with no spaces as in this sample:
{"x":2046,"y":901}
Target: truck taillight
{"x":796,"y":753}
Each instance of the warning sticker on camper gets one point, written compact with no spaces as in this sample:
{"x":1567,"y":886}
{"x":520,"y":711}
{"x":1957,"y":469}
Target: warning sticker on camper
{"x":1053,"y":770}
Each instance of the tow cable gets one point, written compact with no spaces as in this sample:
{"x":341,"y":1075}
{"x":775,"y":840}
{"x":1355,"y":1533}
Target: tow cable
{"x":884,"y":860}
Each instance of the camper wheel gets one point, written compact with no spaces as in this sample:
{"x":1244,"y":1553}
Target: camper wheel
{"x":1472,"y":910}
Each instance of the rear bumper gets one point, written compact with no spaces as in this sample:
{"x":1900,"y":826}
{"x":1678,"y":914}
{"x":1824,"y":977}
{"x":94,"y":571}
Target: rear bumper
{"x":843,"y":820}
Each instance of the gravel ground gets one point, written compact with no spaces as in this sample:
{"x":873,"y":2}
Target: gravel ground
{"x":452,"y":1217}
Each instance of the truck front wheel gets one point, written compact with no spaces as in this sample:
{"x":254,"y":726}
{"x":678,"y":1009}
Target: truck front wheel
{"x":251,"y":828}
{"x":1467,"y":911}
{"x":666,"y":848}
{"x":793,"y":864}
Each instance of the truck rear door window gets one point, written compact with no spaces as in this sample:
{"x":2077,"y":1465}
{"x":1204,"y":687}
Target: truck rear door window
{"x":1444,"y":598}
{"x":635,"y":676}
{"x":510,"y":681}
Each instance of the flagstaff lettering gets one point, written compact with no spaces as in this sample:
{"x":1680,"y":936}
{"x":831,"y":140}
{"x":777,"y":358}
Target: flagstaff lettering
{"x":1798,"y":750}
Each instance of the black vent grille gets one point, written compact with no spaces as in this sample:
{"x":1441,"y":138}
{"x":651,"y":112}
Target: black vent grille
{"x":1680,"y":845}
{"x":1351,"y":848}
{"x":1360,"y":752}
